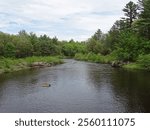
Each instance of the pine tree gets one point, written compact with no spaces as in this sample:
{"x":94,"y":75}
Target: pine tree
{"x":131,"y":13}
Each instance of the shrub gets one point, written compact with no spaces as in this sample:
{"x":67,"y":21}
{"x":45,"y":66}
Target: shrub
{"x":144,"y":60}
{"x":70,"y":49}
{"x":98,"y":58}
{"x":129,"y":46}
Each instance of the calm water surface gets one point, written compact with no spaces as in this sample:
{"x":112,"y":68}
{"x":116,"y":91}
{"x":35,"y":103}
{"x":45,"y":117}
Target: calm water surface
{"x":75,"y":87}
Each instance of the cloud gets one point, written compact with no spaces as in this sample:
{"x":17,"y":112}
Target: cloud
{"x":66,"y":19}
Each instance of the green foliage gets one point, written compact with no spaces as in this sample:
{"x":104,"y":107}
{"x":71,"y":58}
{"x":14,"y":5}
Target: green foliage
{"x":112,"y":38}
{"x":98,"y":36}
{"x":1,"y":49}
{"x":9,"y":50}
{"x":133,"y":66}
{"x":71,"y":48}
{"x":46,"y":46}
{"x":98,"y":58}
{"x":128,"y":47}
{"x":128,"y":38}
{"x":47,"y":59}
{"x":88,"y":57}
{"x":142,"y":25}
{"x":25,"y":45}
{"x":131,"y":13}
{"x":97,"y":43}
{"x":94,"y":46}
{"x":144,"y":8}
{"x":144,"y":60}
{"x":145,"y":47}
{"x":9,"y":64}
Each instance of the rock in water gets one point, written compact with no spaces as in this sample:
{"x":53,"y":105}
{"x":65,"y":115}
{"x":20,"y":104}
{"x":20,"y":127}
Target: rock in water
{"x":116,"y":64}
{"x":40,"y":64}
{"x":46,"y":85}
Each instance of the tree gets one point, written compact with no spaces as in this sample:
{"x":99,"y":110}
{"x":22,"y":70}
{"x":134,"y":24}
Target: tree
{"x":9,"y":50}
{"x":144,"y":6}
{"x":131,"y":13}
{"x":143,"y":24}
{"x":129,"y":46}
{"x":98,"y":35}
{"x":1,"y":49}
{"x":55,"y":40}
{"x":112,"y":38}
{"x":94,"y":46}
{"x":22,"y":33}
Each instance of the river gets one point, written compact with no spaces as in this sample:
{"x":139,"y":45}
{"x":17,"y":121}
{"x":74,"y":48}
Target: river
{"x":75,"y":87}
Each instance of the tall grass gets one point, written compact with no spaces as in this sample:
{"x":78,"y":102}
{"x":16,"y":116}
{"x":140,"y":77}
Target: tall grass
{"x":12,"y":64}
{"x":142,"y":63}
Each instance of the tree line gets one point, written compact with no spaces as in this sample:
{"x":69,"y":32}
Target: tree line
{"x":25,"y":45}
{"x":128,"y":39}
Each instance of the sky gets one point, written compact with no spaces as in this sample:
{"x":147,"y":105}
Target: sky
{"x":65,"y":19}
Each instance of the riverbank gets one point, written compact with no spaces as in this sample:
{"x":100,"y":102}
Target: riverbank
{"x":133,"y":66}
{"x":142,"y":63}
{"x":10,"y":64}
{"x":97,"y":58}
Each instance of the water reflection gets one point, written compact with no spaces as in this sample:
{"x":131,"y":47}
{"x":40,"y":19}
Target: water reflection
{"x":134,"y":86}
{"x":75,"y":87}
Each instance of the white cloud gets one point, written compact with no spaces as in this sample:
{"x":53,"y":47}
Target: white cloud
{"x":67,"y":19}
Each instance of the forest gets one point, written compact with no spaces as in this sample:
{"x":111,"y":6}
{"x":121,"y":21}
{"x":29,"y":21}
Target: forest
{"x":127,"y":44}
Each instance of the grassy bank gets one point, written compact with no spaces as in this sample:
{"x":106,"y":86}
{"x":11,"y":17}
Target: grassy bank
{"x":134,"y":66}
{"x":97,"y":58}
{"x":10,"y":64}
{"x":142,"y":63}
